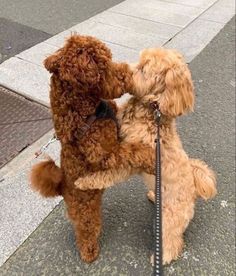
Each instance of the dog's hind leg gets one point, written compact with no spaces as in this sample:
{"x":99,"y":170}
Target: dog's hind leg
{"x":178,"y":198}
{"x":84,"y":209}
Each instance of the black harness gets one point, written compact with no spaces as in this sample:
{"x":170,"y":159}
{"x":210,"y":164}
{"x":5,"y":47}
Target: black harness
{"x":103,"y":111}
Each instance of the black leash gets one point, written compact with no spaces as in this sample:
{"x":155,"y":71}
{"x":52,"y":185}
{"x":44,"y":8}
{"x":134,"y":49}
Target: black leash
{"x":158,"y":219}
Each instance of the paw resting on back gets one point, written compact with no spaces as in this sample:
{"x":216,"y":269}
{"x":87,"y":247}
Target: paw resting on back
{"x":86,"y":183}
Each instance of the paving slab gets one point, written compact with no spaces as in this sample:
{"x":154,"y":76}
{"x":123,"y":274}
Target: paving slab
{"x":157,"y":15}
{"x":16,"y":73}
{"x":120,"y":36}
{"x":37,"y":53}
{"x":59,"y":39}
{"x":16,"y":37}
{"x":21,"y":123}
{"x":193,"y":3}
{"x":52,"y":16}
{"x":110,"y":34}
{"x":121,"y":53}
{"x":138,"y":25}
{"x":222,"y":11}
{"x":127,"y":239}
{"x":174,"y":8}
{"x":21,"y":210}
{"x":27,"y":79}
{"x":193,"y":39}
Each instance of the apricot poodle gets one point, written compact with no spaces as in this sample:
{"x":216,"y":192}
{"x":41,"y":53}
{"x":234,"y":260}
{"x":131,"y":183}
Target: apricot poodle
{"x":163,"y":77}
{"x":83,"y":75}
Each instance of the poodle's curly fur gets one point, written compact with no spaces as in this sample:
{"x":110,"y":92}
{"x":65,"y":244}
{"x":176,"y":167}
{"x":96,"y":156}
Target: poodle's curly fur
{"x":82,"y":74}
{"x":162,"y":76}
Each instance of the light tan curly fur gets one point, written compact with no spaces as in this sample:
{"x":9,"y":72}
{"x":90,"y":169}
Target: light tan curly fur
{"x":162,"y":76}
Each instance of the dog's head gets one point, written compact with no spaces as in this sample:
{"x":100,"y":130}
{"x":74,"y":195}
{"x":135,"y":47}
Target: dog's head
{"x":162,"y":76}
{"x":86,"y":64}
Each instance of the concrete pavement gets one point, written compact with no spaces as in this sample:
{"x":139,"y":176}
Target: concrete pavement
{"x":127,"y":28}
{"x":52,"y":16}
{"x":29,"y":22}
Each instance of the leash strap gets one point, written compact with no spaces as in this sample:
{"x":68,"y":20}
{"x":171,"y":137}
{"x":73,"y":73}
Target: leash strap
{"x":158,"y":219}
{"x":82,"y":130}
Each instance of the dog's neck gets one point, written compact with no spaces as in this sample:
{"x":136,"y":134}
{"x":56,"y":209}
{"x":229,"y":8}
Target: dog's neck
{"x":145,"y":103}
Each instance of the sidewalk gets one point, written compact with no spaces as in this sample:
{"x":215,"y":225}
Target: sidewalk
{"x":127,"y":239}
{"x":127,"y":28}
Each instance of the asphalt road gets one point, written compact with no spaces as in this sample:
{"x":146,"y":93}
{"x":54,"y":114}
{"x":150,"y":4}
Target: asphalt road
{"x":27,"y":22}
{"x":127,"y":240}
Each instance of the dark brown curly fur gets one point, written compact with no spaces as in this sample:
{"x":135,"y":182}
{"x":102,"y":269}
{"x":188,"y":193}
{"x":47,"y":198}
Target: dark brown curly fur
{"x":82,"y":74}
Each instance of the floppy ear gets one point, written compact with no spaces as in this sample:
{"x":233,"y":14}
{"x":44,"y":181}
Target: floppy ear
{"x":178,"y":95}
{"x":51,"y":63}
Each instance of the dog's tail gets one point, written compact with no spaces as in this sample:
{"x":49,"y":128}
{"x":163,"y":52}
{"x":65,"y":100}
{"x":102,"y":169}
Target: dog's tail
{"x":204,"y":178}
{"x":46,"y":178}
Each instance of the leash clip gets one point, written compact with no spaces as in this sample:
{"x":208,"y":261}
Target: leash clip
{"x":44,"y":147}
{"x":157,"y":112}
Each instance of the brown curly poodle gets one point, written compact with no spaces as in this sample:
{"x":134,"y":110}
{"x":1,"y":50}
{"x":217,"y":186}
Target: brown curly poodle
{"x":83,"y":74}
{"x":163,"y":77}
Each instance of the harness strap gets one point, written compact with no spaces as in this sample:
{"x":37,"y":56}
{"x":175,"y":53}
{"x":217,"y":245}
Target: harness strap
{"x":90,"y":120}
{"x":103,"y":111}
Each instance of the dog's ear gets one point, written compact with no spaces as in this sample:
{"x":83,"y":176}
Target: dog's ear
{"x":52,"y":62}
{"x":178,"y":95}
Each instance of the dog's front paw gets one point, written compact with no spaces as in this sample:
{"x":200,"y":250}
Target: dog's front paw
{"x":151,"y":196}
{"x":171,"y":253}
{"x":84,"y":183}
{"x":173,"y":250}
{"x":89,"y":252}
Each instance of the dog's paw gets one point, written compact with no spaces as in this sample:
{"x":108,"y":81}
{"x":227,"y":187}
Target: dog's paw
{"x":170,"y":254}
{"x":83,"y":183}
{"x":151,"y":196}
{"x":89,"y":183}
{"x":89,"y":252}
{"x":168,"y":258}
{"x":173,"y":251}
